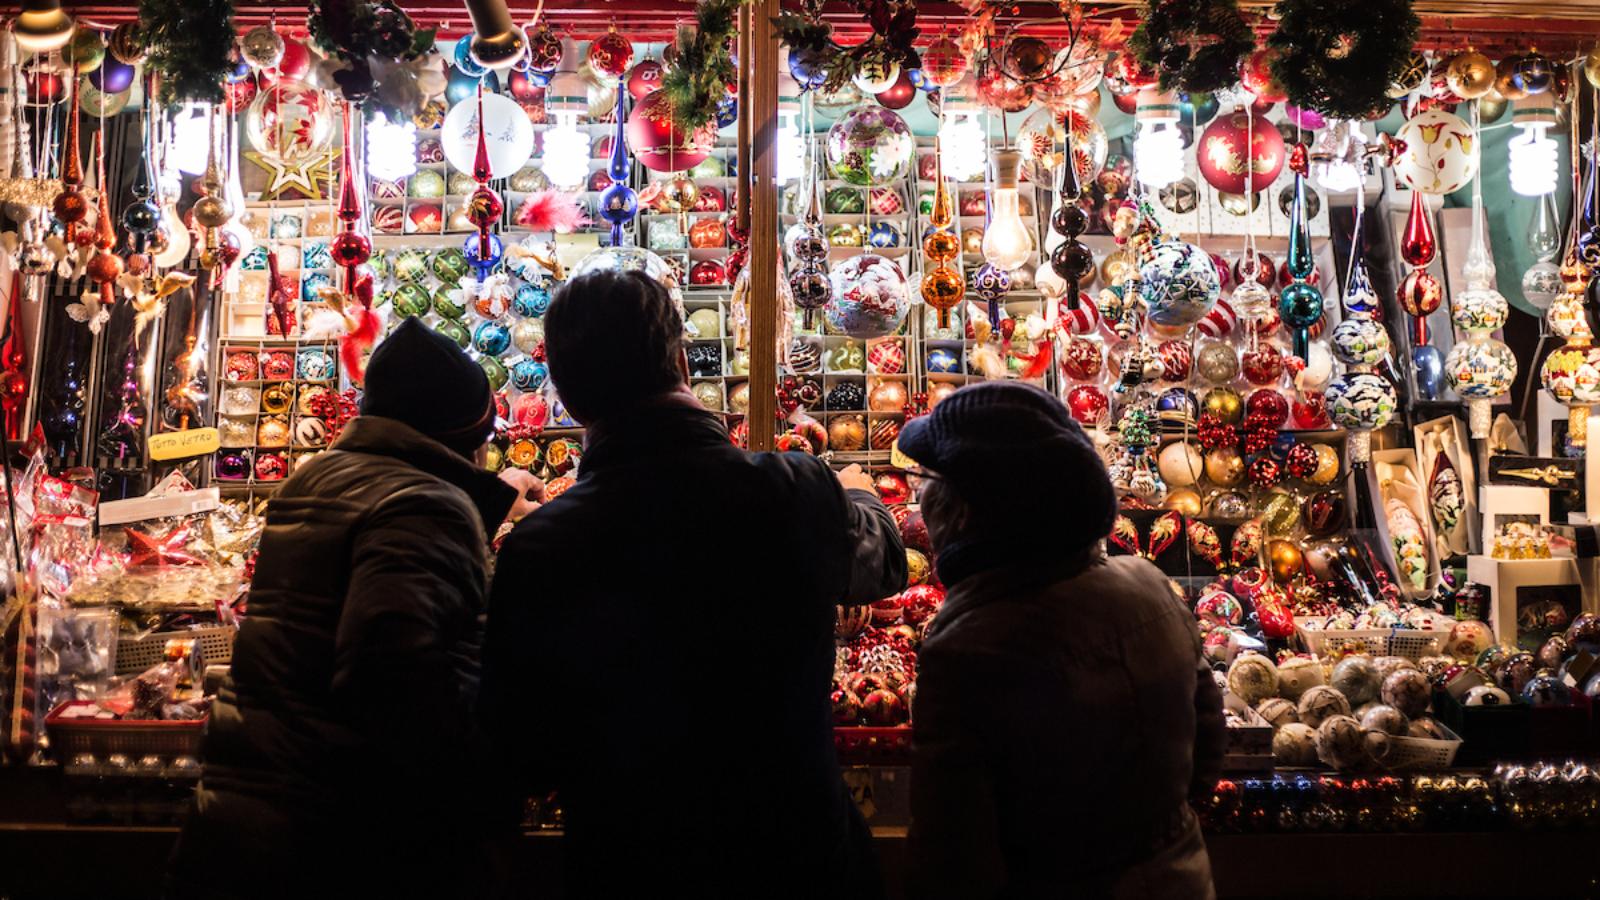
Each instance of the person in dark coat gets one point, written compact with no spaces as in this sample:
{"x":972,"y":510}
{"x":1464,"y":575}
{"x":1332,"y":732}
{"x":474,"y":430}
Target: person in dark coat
{"x":661,"y":635}
{"x":342,"y":757}
{"x":1064,"y":714}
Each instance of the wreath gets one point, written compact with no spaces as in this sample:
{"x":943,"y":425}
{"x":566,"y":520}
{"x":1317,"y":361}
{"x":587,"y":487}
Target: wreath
{"x":1194,"y":45}
{"x":189,"y":46}
{"x":365,"y":36}
{"x":893,"y":41}
{"x":697,"y":82}
{"x":1339,"y":57}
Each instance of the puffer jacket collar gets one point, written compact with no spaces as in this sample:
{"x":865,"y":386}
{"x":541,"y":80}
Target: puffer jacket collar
{"x":379,"y":436}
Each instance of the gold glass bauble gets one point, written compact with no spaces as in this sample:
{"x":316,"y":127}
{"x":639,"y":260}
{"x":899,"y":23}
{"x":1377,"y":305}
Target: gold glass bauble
{"x":972,"y":240}
{"x":1591,"y":67}
{"x":211,"y":212}
{"x":1505,"y":81}
{"x":942,"y":287}
{"x":1224,"y":403}
{"x":1470,"y":75}
{"x":941,"y":245}
{"x":1184,"y":500}
{"x":1286,"y":560}
{"x":1117,"y":267}
{"x":1224,"y":466}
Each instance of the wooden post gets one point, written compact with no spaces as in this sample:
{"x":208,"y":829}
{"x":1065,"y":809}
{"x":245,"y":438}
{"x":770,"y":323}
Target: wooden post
{"x":758,"y":157}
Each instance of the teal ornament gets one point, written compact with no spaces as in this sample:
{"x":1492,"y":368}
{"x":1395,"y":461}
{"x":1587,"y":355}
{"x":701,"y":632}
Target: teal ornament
{"x":530,"y":301}
{"x":529,"y":375}
{"x":491,"y":338}
{"x":314,"y":364}
{"x":255,"y":260}
{"x":313,"y":281}
{"x":1300,"y":262}
{"x":1300,"y":306}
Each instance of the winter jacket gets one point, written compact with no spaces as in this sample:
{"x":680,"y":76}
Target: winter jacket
{"x":342,"y":752}
{"x":1063,"y":717}
{"x":661,"y":646}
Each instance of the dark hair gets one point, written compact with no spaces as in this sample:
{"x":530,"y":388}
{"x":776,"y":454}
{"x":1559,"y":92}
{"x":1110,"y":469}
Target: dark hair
{"x":613,"y":341}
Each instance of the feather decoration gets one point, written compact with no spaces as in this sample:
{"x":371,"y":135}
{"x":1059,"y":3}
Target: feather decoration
{"x":552,"y":210}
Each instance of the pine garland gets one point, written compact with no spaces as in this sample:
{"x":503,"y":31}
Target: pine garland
{"x":893,"y":41}
{"x":357,"y":29}
{"x":1339,"y":57}
{"x":188,"y":45}
{"x":1194,"y":45}
{"x":697,"y":81}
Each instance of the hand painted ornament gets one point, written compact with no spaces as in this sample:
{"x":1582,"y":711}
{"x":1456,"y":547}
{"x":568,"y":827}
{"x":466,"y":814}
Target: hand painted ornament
{"x":869,"y":146}
{"x":1240,"y":153}
{"x":1439,"y":156}
{"x":1361,"y":402}
{"x":1088,"y":404}
{"x":870,"y":297}
{"x":1179,"y":285}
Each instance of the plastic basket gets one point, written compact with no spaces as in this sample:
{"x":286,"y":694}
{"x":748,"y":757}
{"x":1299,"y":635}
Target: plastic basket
{"x":1411,"y":643}
{"x":135,"y":654}
{"x":133,"y":738}
{"x":1422,"y":753}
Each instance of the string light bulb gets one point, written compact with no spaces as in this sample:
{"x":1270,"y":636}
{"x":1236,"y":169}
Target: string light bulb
{"x":964,"y":143}
{"x":1006,"y":242}
{"x":1534,"y":157}
{"x":1158,"y":148}
{"x":566,"y":150}
{"x":791,"y":146}
{"x":391,"y":148}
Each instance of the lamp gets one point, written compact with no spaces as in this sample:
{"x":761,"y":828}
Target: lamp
{"x":191,"y":139}
{"x":391,"y":148}
{"x":1006,"y":243}
{"x":1158,"y":150}
{"x":42,"y":26}
{"x":497,"y":43}
{"x":1533,"y":155}
{"x":963,"y":144}
{"x":566,"y":150}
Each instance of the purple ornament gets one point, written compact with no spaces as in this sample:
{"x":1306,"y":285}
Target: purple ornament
{"x":234,"y":465}
{"x":113,"y":76}
{"x":1309,"y":119}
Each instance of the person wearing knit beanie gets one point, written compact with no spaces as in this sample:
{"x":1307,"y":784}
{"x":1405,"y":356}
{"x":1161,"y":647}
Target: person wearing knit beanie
{"x":1063,"y":701}
{"x":420,"y":377}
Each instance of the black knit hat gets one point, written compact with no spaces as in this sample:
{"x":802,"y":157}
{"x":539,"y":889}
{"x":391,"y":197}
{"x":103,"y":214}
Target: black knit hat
{"x":420,"y":377}
{"x":1001,"y":443}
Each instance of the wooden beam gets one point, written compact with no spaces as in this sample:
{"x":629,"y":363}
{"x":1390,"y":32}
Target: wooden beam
{"x":760,"y":102}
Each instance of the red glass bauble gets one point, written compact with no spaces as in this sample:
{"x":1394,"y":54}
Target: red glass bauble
{"x":599,"y":180}
{"x":1420,"y":293}
{"x":659,"y":144}
{"x":44,"y":87}
{"x":1127,"y":104}
{"x":1310,"y":410}
{"x":1263,"y":365}
{"x":708,"y":272}
{"x":296,"y":61}
{"x":1225,"y":161}
{"x":996,"y":90}
{"x":1269,"y":405}
{"x":1082,"y":359}
{"x":610,"y":55}
{"x":1127,"y":69}
{"x":1255,"y":76}
{"x":711,"y":199}
{"x":1418,"y":246}
{"x":1176,"y":360}
{"x":943,"y":63}
{"x":522,"y":88}
{"x":240,"y":93}
{"x":349,"y":248}
{"x":974,"y":203}
{"x":644,"y":77}
{"x":900,"y":94}
{"x":1087,"y":403}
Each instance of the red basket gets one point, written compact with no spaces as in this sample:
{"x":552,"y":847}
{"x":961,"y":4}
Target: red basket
{"x":873,"y":746}
{"x":70,"y":736}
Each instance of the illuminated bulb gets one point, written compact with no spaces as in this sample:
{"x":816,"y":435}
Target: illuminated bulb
{"x":1158,"y":150}
{"x":791,"y":148}
{"x":963,"y":145}
{"x":566,"y":152}
{"x":1006,"y":242}
{"x":1534,"y":156}
{"x":391,"y":149}
{"x":1336,"y":158}
{"x":1158,"y":154}
{"x":191,"y":140}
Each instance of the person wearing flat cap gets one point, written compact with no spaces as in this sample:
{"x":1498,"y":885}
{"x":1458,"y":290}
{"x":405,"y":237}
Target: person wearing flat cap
{"x":342,"y":757}
{"x":1064,"y":713}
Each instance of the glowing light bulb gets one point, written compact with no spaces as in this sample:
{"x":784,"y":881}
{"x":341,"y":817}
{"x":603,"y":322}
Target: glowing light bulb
{"x":1337,"y":157}
{"x":964,"y":145}
{"x":1544,"y":238}
{"x":566,"y":152}
{"x":1534,"y":156}
{"x":1006,"y":242}
{"x":1158,"y":154}
{"x":191,"y":139}
{"x":391,"y":149}
{"x":791,"y":148}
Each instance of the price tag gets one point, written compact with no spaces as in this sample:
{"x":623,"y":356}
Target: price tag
{"x":184,"y":444}
{"x":898,"y":459}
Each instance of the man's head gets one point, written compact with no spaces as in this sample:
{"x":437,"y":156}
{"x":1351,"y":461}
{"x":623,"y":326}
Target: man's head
{"x":977,"y":441}
{"x":614,"y":341}
{"x":420,"y":377}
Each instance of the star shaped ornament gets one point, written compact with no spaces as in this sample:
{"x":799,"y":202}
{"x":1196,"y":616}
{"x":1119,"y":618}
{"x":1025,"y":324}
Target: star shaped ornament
{"x":160,"y":549}
{"x":307,"y":176}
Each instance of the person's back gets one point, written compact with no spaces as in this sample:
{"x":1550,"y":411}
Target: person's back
{"x":341,"y":752}
{"x":661,"y":648}
{"x":1062,"y":705}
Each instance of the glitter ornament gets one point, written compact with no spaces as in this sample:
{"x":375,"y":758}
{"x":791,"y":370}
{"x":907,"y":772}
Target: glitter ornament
{"x":869,"y":146}
{"x":1217,"y":362}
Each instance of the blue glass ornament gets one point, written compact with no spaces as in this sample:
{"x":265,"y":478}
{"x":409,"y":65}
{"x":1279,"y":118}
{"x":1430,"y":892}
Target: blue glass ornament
{"x":1429,"y":368}
{"x":806,"y":65}
{"x":942,"y":360}
{"x":1281,"y":445}
{"x":462,"y":87}
{"x":464,"y":61}
{"x":483,"y":265}
{"x":529,"y":375}
{"x":884,"y":235}
{"x":1197,"y":113}
{"x":241,"y":71}
{"x":530,"y":301}
{"x":990,"y":284}
{"x":539,"y":78}
{"x":1177,"y":406}
{"x":619,"y":203}
{"x":920,"y":81}
{"x":491,"y":338}
{"x":313,"y":281}
{"x":1359,"y":297}
{"x":727,"y":112}
{"x":1300,"y":306}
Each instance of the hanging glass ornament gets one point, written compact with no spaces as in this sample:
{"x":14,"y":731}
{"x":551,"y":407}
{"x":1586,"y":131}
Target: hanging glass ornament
{"x":1071,"y":259}
{"x":71,"y":206}
{"x":942,"y":286}
{"x":1572,"y":373}
{"x":484,"y":207}
{"x":1300,"y":302}
{"x":1420,"y":294}
{"x":349,"y":248}
{"x":619,"y":203}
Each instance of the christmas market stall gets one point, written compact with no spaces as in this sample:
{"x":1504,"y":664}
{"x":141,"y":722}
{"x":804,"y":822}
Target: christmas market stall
{"x":1319,"y":277}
